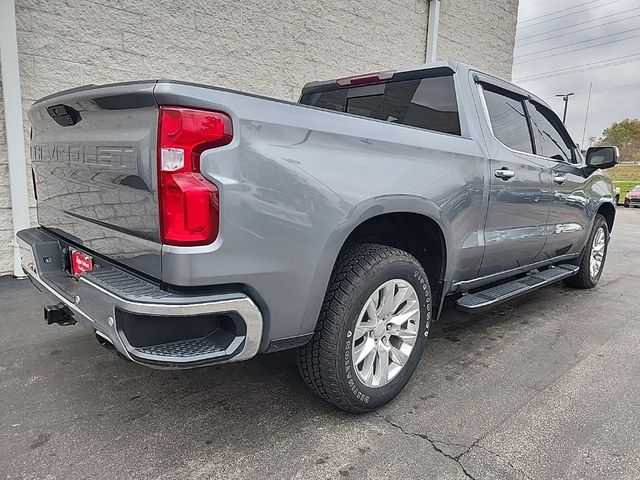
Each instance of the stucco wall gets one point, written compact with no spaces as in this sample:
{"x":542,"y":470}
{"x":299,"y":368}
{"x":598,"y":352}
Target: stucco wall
{"x":481,"y":33}
{"x":270,"y":47}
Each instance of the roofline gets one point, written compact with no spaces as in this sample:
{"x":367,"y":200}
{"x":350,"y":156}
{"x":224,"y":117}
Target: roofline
{"x":405,"y":73}
{"x":418,"y":71}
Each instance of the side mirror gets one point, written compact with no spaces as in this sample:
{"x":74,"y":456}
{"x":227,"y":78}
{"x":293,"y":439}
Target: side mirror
{"x":603,"y":157}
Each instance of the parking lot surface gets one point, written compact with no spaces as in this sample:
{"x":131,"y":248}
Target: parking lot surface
{"x":547,"y":386}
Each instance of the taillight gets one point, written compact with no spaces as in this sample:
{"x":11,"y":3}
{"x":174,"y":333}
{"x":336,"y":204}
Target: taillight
{"x":189,"y":204}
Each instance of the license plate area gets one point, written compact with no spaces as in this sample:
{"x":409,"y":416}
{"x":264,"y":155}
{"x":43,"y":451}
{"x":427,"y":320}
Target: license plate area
{"x":80,"y":262}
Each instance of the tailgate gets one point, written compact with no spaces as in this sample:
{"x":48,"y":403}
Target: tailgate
{"x":93,"y":153}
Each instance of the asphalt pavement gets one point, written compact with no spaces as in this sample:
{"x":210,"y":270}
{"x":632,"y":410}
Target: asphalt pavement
{"x":545,"y":387}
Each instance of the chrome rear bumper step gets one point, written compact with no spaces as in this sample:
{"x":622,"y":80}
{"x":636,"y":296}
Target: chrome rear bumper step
{"x":138,"y":319}
{"x":482,"y":301}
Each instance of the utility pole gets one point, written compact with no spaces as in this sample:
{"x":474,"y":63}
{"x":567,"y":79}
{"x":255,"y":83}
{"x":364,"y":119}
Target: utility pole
{"x":565,"y":97}
{"x":432,"y":31}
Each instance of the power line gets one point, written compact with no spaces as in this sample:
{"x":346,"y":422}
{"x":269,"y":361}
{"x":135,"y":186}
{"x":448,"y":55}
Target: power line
{"x":579,"y":30}
{"x":577,"y":49}
{"x":565,"y":15}
{"x":579,"y":43}
{"x":581,"y":23}
{"x":616,"y":87}
{"x":578,"y":70}
{"x":568,"y":71}
{"x":537,"y":3}
{"x":559,"y":11}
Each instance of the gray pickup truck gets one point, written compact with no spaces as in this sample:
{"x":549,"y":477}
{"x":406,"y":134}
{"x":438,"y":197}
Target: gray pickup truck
{"x":188,"y":225}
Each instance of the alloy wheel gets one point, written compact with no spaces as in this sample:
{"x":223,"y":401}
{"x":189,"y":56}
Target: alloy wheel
{"x":597,"y":252}
{"x":385,"y":333}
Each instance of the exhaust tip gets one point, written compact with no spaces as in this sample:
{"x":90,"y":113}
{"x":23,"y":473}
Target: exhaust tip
{"x":105,"y":341}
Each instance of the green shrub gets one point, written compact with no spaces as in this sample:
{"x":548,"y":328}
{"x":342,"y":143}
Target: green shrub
{"x":625,"y":187}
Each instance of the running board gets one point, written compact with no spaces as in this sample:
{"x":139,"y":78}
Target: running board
{"x":484,"y":300}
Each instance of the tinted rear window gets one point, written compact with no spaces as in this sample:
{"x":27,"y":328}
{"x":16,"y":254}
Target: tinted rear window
{"x":508,"y":120}
{"x":428,"y":103}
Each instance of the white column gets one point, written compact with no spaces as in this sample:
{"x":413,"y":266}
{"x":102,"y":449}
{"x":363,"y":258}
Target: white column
{"x":432,"y":30}
{"x":14,"y":126}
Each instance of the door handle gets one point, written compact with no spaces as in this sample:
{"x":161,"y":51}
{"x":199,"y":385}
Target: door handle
{"x":505,"y":174}
{"x":559,"y":179}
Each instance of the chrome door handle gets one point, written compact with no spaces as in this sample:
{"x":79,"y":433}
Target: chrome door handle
{"x":559,"y":179}
{"x":505,"y":174}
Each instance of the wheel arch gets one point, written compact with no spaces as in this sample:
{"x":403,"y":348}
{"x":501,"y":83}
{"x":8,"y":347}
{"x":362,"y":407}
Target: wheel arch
{"x":608,"y":211}
{"x":401,"y":211}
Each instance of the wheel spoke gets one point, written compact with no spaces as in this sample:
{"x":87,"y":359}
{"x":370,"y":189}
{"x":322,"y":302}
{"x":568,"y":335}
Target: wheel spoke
{"x":406,"y":314}
{"x":367,"y":366}
{"x":386,"y":303}
{"x":407,"y":336}
{"x":399,"y":356}
{"x":361,"y":351}
{"x":372,"y":311}
{"x":363,"y":329}
{"x":382,"y":372}
{"x":400,"y":297}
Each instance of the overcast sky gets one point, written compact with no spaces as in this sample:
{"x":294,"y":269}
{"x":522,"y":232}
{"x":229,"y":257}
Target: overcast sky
{"x":564,"y":45}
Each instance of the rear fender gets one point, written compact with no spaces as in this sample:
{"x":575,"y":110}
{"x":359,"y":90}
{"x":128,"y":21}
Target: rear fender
{"x":356,"y":216}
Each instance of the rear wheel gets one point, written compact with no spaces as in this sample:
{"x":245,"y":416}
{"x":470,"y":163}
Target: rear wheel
{"x":594,"y":256}
{"x":372,"y":329}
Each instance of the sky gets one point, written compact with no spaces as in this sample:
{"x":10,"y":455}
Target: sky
{"x":563,"y":46}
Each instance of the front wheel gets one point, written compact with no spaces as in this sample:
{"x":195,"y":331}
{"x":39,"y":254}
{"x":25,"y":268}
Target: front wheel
{"x":372,"y":329}
{"x":594,"y":256}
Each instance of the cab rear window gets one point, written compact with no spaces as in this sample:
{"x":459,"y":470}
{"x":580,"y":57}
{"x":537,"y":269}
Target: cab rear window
{"x":428,"y":103}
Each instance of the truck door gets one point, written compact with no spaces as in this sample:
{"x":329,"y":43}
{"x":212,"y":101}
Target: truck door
{"x":520,"y":184}
{"x":568,"y":222}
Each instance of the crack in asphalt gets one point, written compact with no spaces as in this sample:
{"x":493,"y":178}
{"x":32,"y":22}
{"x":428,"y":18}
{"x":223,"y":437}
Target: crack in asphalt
{"x":507,"y":462}
{"x":455,"y":458}
{"x":432,"y":443}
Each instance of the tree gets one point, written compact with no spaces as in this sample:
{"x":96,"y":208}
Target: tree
{"x":626,"y":136}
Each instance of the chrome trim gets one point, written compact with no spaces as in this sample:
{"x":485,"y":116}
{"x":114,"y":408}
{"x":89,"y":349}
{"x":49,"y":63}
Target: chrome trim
{"x":559,"y":179}
{"x":103,"y":336}
{"x":243,"y":306}
{"x":495,"y":277}
{"x":169,"y":360}
{"x":504,"y":174}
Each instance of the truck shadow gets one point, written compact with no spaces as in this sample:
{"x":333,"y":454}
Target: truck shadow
{"x":263,"y":399}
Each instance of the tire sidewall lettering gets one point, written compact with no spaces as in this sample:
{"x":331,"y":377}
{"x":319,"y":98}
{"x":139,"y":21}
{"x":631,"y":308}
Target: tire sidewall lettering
{"x":355,"y":391}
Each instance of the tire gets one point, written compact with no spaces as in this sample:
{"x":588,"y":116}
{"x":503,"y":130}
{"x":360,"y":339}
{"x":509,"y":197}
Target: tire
{"x":584,"y":278}
{"x":626,"y":205}
{"x":326,"y":363}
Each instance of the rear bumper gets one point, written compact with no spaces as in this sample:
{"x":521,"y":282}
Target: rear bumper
{"x":144,"y":323}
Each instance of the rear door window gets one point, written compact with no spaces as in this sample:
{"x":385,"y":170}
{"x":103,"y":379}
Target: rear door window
{"x":428,"y":103}
{"x":508,"y":119}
